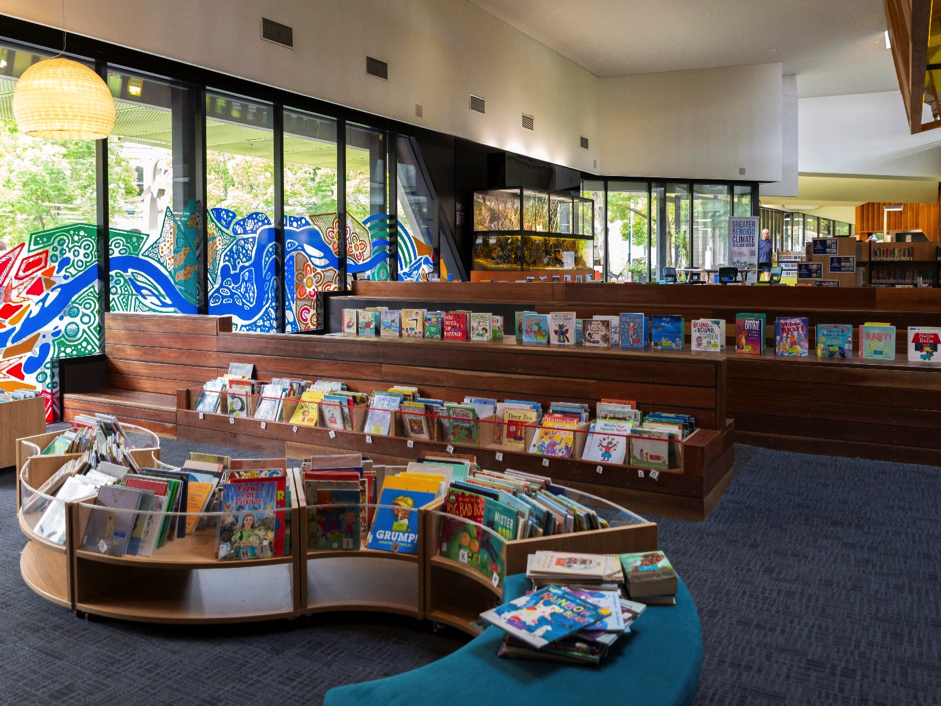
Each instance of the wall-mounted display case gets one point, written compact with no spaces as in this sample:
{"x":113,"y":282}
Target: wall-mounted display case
{"x":528,"y":229}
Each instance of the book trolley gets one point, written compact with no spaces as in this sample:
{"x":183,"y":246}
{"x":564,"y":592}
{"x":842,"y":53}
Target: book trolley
{"x":184,"y":582}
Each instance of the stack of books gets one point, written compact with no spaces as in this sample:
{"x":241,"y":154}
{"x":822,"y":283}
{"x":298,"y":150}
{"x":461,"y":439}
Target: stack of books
{"x":649,"y":578}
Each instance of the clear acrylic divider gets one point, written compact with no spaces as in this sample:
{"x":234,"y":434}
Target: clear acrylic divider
{"x":43,"y":513}
{"x":475,"y":547}
{"x":349,"y":526}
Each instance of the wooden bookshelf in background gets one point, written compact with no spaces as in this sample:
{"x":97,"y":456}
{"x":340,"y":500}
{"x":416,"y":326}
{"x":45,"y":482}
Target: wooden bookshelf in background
{"x":19,"y":418}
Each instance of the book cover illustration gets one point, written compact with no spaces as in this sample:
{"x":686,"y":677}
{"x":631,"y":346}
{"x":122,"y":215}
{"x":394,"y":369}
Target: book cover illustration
{"x":706,"y":335}
{"x":413,"y":321}
{"x":336,"y":412}
{"x":614,"y":329}
{"x":246,"y":528}
{"x":632,"y":331}
{"x":350,"y":326}
{"x":395,"y":527}
{"x":579,"y":332}
{"x":597,"y":332}
{"x":651,"y":449}
{"x":749,"y":335}
{"x":336,"y":520}
{"x":110,"y":523}
{"x":666,"y":333}
{"x":607,"y":441}
{"x":390,"y":323}
{"x":480,"y":327}
{"x":556,"y":436}
{"x":562,"y":328}
{"x":460,"y":540}
{"x":415,"y":420}
{"x":496,"y":328}
{"x":455,"y":326}
{"x":368,"y":322}
{"x":791,"y":334}
{"x":545,"y":616}
{"x":379,"y":417}
{"x":307,"y":412}
{"x":434,"y":325}
{"x":834,"y":341}
{"x":877,"y":342}
{"x":516,"y":421}
{"x":210,"y":396}
{"x":238,"y":399}
{"x":535,"y":329}
{"x":463,"y":424}
{"x":923,"y":344}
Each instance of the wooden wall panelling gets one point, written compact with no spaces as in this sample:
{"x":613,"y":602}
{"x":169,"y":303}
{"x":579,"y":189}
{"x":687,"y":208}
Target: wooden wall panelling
{"x":913,"y":216}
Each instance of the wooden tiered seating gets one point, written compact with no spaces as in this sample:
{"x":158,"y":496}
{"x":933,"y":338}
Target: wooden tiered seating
{"x":148,"y":358}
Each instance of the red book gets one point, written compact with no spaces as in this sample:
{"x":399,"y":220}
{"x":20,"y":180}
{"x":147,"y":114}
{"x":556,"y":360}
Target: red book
{"x":280,"y":502}
{"x":157,"y":486}
{"x":455,"y":325}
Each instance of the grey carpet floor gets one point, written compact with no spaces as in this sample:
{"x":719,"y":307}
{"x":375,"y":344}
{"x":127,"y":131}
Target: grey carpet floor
{"x":816,"y":580}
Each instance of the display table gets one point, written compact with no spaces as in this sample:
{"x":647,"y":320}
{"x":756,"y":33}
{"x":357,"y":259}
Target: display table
{"x":659,"y":664}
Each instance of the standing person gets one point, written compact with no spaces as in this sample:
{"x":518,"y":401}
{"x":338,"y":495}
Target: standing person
{"x":764,"y":252}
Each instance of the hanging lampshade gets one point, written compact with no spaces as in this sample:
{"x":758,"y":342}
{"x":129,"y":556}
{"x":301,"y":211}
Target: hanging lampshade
{"x":60,"y":99}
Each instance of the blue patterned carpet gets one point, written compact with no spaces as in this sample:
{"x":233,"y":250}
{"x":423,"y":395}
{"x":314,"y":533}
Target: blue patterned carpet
{"x":816,"y":579}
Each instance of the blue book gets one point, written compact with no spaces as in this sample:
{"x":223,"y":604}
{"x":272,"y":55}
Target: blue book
{"x":536,"y":329}
{"x":579,"y":331}
{"x":633,"y":331}
{"x":834,"y":341}
{"x":395,"y":527}
{"x":666,"y":333}
{"x":246,"y":529}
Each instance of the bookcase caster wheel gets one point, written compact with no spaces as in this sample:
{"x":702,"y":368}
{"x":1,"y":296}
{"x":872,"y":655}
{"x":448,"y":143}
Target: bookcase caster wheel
{"x":78,"y":614}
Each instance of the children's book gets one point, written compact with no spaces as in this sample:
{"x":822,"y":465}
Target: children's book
{"x":545,"y":616}
{"x":519,"y":324}
{"x":579,"y":332}
{"x":460,"y":540}
{"x":597,"y":332}
{"x":246,"y":529}
{"x":923,"y":344}
{"x":496,"y":328}
{"x":791,"y":336}
{"x":210,"y":396}
{"x":651,"y":448}
{"x":480,"y":327}
{"x":390,"y":323}
{"x":707,"y":335}
{"x":434,"y":324}
{"x":666,"y":333}
{"x":110,"y":523}
{"x":271,"y":403}
{"x":562,"y":328}
{"x":614,"y":327}
{"x":415,"y":420}
{"x":749,"y":334}
{"x":239,"y":398}
{"x":556,"y":436}
{"x":607,"y":442}
{"x":307,"y":412}
{"x":501,"y":518}
{"x":368,"y":322}
{"x":379,"y":417}
{"x":455,"y":325}
{"x":413,"y":323}
{"x":535,"y":329}
{"x":334,"y":522}
{"x":515,"y":423}
{"x":633,"y":331}
{"x":350,"y":322}
{"x":335,"y":411}
{"x":877,"y":341}
{"x":463,"y":425}
{"x":834,"y":341}
{"x":395,"y":527}
{"x":649,"y":574}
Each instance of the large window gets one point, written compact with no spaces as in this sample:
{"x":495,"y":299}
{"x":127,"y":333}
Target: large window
{"x":367,"y":211}
{"x":49,"y":265}
{"x":311,"y":261}
{"x":594,"y":190}
{"x":154,"y":236}
{"x":628,"y":232}
{"x":416,"y":213}
{"x":742,"y":200}
{"x":710,"y":225}
{"x":240,"y":193}
{"x":676,"y":229}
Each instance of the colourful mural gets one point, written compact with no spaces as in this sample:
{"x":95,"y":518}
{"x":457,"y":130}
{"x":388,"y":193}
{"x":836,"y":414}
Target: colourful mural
{"x":49,"y":307}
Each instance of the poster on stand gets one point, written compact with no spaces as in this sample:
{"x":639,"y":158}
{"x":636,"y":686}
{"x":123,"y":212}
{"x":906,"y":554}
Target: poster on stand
{"x":825,"y":246}
{"x":809,"y":270}
{"x":843,"y":265}
{"x":743,"y":242}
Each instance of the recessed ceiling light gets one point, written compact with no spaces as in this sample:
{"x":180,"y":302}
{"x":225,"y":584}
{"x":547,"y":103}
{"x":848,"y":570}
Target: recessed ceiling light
{"x":888,"y":43}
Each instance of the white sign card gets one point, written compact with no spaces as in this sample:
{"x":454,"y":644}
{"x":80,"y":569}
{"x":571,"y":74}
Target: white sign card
{"x":744,"y":232}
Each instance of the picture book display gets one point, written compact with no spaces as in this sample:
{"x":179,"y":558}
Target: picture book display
{"x":390,"y":323}
{"x":562,"y":328}
{"x":750,"y":334}
{"x":496,"y":328}
{"x":607,"y":442}
{"x":413,"y":322}
{"x":556,"y":436}
{"x":614,"y":327}
{"x":596,"y":332}
{"x":707,"y":335}
{"x":666,"y":333}
{"x":463,"y":425}
{"x":395,"y":527}
{"x":481,"y":326}
{"x":307,"y":412}
{"x":923,"y":344}
{"x":834,"y":341}
{"x":633,"y":331}
{"x":455,"y":326}
{"x":246,"y":529}
{"x":791,"y":336}
{"x":545,"y":616}
{"x":515,"y":423}
{"x":535,"y":329}
{"x":379,"y":416}
{"x":110,"y":523}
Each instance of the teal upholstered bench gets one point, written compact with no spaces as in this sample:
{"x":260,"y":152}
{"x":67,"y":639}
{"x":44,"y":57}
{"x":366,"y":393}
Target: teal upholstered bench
{"x":659,"y":664}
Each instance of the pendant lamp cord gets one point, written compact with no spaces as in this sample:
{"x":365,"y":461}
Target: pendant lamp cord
{"x":65,"y":33}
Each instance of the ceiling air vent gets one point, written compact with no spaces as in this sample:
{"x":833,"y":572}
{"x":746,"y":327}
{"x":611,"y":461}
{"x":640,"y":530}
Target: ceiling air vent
{"x":478,"y":104}
{"x":584,"y":142}
{"x":528,"y":122}
{"x":379,"y":69}
{"x":276,"y":32}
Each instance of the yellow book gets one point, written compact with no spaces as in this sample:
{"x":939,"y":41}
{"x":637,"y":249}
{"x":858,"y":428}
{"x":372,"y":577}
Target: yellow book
{"x":307,"y":411}
{"x":196,"y":496}
{"x":420,"y":484}
{"x":437,"y":478}
{"x":514,"y":428}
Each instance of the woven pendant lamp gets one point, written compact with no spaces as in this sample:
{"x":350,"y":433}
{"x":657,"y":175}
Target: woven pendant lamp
{"x":60,"y":99}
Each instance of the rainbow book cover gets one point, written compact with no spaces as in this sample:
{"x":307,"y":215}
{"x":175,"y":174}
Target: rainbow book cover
{"x":545,"y":616}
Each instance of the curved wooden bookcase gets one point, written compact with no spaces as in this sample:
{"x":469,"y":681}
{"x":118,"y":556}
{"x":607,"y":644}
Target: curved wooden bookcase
{"x":184,"y":583}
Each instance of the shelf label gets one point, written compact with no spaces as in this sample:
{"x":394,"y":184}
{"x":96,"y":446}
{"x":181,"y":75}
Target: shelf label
{"x":231,"y":420}
{"x":655,"y":474}
{"x":496,"y":579}
{"x":499,"y":455}
{"x":264,"y":425}
{"x":450,"y":449}
{"x":410,"y":443}
{"x":463,"y":556}
{"x":599,"y":469}
{"x":640,"y":474}
{"x":103,"y":546}
{"x":368,"y":439}
{"x":333,"y":434}
{"x":545,"y":462}
{"x":295,"y":428}
{"x":202,"y":416}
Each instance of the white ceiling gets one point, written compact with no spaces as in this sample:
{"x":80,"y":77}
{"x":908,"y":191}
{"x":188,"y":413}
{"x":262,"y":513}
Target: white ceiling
{"x":834,"y":47}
